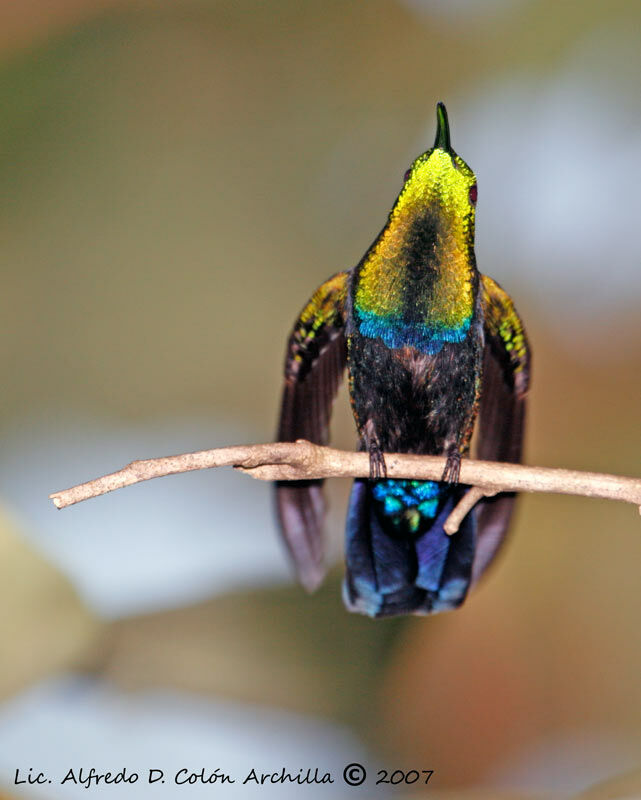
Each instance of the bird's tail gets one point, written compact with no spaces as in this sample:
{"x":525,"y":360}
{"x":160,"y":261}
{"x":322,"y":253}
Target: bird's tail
{"x":399,"y":558}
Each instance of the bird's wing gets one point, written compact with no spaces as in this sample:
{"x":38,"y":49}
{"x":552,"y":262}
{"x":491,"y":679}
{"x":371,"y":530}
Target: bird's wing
{"x":314,"y":365}
{"x":506,"y":377}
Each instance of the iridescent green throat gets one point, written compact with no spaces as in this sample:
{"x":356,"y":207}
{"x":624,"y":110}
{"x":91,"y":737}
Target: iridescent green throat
{"x":416,"y":285}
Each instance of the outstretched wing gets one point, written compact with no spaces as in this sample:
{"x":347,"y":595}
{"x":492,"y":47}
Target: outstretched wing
{"x":506,"y":376}
{"x":314,"y":365}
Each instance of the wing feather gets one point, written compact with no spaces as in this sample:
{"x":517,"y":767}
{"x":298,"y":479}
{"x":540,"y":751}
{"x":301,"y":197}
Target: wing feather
{"x":506,"y":376}
{"x":314,"y":366}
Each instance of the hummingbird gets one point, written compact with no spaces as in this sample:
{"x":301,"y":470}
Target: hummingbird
{"x":433,"y":349}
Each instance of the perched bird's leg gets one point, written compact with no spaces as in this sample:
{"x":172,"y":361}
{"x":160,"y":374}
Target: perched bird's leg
{"x":453,"y":466}
{"x":377,"y":466}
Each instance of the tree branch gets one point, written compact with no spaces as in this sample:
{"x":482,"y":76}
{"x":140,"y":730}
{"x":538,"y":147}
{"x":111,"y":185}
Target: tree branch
{"x":302,"y":460}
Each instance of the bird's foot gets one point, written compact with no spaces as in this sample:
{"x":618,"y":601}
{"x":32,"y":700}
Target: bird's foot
{"x":452,"y":467}
{"x":377,"y":466}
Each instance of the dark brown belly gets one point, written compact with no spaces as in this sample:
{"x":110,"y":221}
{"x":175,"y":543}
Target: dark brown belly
{"x":417,"y":403}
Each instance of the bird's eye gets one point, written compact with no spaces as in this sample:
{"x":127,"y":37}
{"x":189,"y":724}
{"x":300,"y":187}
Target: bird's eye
{"x":407,"y":174}
{"x":473,"y":194}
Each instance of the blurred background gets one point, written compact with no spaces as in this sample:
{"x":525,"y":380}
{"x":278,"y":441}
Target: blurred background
{"x":175,"y":180}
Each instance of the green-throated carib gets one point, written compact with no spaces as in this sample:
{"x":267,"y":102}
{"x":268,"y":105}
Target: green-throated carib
{"x":429,"y":344}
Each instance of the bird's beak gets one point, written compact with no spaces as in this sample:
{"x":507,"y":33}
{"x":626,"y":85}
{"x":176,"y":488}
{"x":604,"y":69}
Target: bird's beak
{"x":442,"y":129}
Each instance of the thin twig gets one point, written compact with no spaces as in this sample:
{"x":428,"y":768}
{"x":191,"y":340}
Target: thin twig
{"x":302,"y":460}
{"x":464,"y":506}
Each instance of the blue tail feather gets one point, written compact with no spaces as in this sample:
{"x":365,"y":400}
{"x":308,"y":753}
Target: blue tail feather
{"x":399,"y":559}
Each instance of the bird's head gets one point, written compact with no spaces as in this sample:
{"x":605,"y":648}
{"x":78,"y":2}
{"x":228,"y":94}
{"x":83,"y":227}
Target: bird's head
{"x":439,"y":181}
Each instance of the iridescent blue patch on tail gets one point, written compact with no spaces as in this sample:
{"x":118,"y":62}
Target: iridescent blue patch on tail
{"x":392,"y":569}
{"x":401,"y":498}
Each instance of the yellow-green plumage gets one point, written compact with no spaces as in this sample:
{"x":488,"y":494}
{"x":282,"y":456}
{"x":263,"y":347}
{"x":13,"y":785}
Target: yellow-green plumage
{"x":432,"y":182}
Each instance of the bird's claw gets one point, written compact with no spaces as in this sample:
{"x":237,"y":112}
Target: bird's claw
{"x":377,"y":466}
{"x":452,"y":469}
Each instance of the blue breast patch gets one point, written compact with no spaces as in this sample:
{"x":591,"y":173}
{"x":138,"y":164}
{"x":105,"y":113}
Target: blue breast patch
{"x":396,"y":333}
